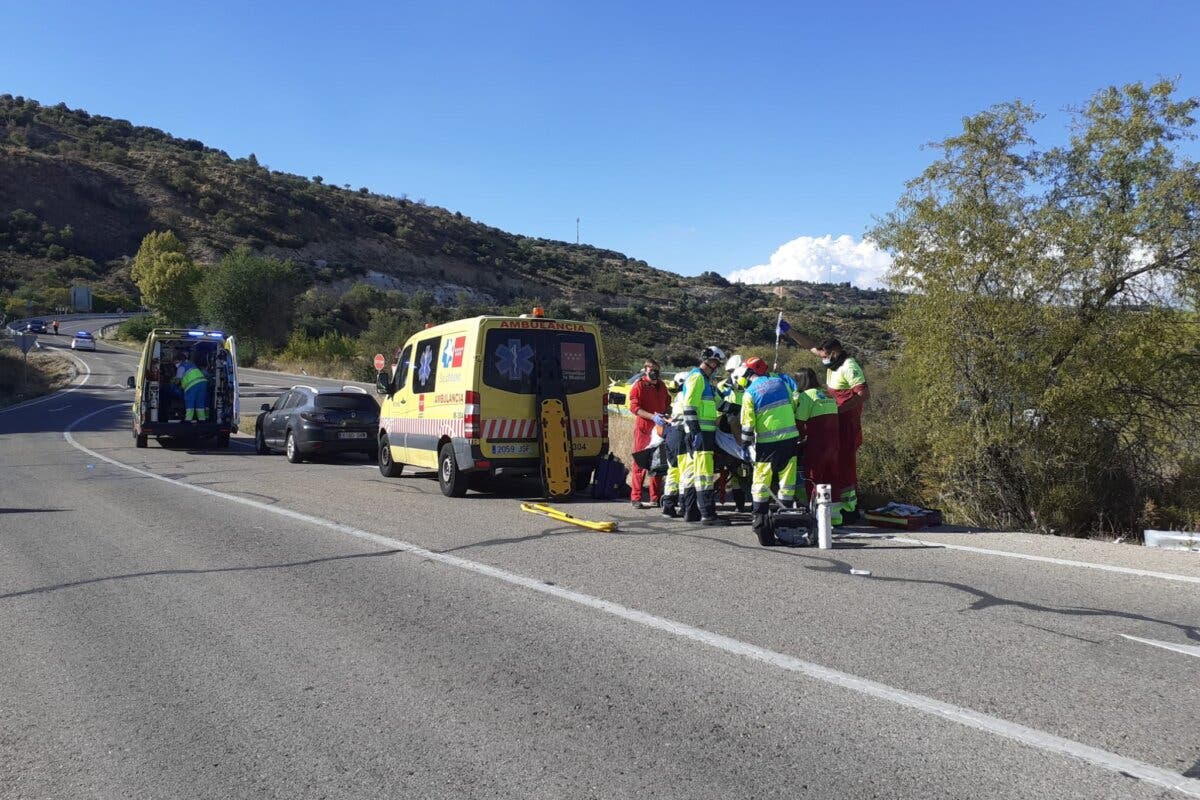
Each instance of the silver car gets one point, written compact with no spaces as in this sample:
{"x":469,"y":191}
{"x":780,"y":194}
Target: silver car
{"x":83,"y":341}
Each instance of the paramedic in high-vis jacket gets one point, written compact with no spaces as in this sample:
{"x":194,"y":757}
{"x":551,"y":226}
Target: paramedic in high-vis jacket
{"x":700,"y":423}
{"x":194,"y":383}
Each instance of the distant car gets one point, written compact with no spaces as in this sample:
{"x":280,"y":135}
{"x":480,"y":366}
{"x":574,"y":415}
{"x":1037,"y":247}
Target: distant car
{"x":36,"y":326}
{"x":83,"y":341}
{"x":305,"y":422}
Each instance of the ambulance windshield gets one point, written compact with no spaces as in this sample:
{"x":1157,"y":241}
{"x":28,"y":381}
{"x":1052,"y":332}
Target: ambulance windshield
{"x":511,"y":357}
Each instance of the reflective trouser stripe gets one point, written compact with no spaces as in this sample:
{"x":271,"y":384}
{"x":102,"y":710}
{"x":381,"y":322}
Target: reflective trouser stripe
{"x":764,"y":473}
{"x":849,"y":499}
{"x":703,"y":467}
{"x":671,"y":482}
{"x":702,"y":460}
{"x":195,"y":399}
{"x":687,"y":473}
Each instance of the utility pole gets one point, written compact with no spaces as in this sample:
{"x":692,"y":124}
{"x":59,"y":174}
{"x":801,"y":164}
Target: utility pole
{"x":577,"y":230}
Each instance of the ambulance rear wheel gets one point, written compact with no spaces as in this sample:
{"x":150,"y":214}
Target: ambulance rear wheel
{"x":387,"y":467}
{"x":452,"y":480}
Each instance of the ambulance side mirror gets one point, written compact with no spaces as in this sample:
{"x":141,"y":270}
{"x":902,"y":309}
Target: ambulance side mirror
{"x":131,"y":382}
{"x":383,"y":383}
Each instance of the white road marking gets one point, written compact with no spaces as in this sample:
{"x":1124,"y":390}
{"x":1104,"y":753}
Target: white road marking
{"x":1014,"y":731}
{"x":87,"y":373}
{"x":1186,"y":649}
{"x":1063,"y":562}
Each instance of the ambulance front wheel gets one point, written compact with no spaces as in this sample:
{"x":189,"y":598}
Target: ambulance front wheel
{"x":452,"y":480}
{"x":387,"y":467}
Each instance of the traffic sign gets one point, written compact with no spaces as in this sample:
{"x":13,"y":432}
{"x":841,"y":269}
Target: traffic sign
{"x":26,"y":341}
{"x":380,"y":362}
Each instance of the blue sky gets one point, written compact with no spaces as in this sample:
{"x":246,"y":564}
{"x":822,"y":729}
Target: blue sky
{"x":691,"y":135}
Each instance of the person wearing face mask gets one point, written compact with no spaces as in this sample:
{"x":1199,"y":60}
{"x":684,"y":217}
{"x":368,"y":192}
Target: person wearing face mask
{"x":649,"y":402}
{"x":700,"y":423}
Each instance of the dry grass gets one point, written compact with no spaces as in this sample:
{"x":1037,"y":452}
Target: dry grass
{"x":48,"y":372}
{"x":620,"y":437}
{"x":336,"y":370}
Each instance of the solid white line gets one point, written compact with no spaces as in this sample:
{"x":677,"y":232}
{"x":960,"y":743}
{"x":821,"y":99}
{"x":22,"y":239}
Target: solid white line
{"x":1065,"y":562}
{"x":87,"y":373}
{"x":926,"y":705}
{"x":1186,"y":649}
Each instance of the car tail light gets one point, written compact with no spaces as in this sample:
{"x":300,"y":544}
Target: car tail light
{"x":471,"y":416}
{"x":313,"y":416}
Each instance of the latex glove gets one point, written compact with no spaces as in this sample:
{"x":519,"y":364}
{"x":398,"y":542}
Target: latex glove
{"x":660,"y":420}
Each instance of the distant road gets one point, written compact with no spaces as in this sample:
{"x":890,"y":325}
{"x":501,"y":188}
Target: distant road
{"x":182,"y":623}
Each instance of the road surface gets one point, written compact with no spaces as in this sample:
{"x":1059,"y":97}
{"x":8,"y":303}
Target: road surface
{"x":183,"y":623}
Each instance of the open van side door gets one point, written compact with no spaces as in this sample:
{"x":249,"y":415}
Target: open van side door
{"x":233,"y":381}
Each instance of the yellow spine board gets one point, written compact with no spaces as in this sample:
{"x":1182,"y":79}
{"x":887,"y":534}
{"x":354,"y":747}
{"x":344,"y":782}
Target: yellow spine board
{"x":562,"y":516}
{"x":557,"y":468}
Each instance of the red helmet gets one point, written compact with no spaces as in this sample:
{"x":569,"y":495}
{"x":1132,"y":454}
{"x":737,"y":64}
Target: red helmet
{"x":756,"y":365}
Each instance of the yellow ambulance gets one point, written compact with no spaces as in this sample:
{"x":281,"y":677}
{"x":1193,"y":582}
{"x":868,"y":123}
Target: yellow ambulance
{"x":460,"y":398}
{"x":158,"y":402}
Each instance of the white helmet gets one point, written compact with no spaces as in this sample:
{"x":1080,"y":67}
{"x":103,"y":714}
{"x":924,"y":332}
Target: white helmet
{"x":712,"y":353}
{"x":733,"y":363}
{"x":681,"y":377}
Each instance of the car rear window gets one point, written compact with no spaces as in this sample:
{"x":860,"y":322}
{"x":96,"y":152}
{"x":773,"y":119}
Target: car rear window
{"x":511,"y":357}
{"x":347,"y":402}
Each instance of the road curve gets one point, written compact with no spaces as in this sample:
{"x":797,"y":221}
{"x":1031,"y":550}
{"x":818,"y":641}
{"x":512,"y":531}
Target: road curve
{"x":190,"y":623}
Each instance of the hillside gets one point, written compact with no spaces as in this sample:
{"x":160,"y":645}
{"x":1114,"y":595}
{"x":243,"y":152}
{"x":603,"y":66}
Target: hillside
{"x":79,"y":191}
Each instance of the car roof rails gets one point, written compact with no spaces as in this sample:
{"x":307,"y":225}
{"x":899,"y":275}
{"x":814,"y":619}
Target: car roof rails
{"x":358,"y":389}
{"x":312,"y":389}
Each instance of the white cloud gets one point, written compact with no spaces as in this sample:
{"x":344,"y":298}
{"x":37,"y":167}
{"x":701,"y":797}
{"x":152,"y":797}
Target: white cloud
{"x":822,"y":259}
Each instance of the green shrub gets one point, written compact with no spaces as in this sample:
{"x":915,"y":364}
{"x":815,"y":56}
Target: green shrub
{"x":138,"y":328}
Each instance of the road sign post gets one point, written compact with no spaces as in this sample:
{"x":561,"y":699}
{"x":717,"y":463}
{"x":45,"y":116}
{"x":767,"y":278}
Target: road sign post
{"x":25,"y":340}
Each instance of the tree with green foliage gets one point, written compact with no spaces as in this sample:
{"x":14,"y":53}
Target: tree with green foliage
{"x":166,"y":276}
{"x":252,"y":297}
{"x":1049,"y":349}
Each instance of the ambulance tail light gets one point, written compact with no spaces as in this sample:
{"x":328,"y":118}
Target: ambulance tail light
{"x":471,"y":416}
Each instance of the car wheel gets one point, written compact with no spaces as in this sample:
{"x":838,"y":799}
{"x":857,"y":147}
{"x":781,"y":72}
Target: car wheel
{"x":452,"y":480}
{"x":292,"y":448}
{"x":260,"y":443}
{"x":387,"y":467}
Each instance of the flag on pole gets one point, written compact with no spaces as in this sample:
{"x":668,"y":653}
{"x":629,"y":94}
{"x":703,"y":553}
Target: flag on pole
{"x":779,"y":329}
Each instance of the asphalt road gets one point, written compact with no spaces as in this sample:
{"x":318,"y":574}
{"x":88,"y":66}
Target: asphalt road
{"x":187,"y":623}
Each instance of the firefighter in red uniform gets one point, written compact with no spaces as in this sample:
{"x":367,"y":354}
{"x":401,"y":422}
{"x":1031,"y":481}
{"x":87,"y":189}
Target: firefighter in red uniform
{"x":649,"y":402}
{"x":844,"y":380}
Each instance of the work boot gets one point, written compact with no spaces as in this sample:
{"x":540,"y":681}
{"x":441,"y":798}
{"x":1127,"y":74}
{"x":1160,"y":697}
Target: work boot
{"x":691,"y":510}
{"x":668,"y":506}
{"x":713,"y":521}
{"x":638,"y":504}
{"x":762,"y":529}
